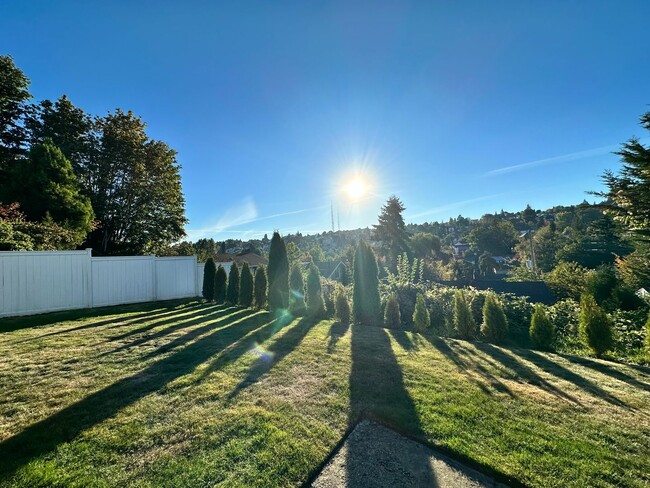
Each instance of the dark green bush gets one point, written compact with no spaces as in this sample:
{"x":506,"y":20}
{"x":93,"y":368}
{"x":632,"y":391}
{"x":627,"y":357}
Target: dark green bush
{"x":595,"y":327}
{"x":208,"y":279}
{"x":392,"y":318}
{"x":232,"y":293}
{"x":477,"y":307}
{"x":278,"y":274}
{"x":342,"y":306}
{"x":421,"y":315}
{"x":366,"y":304}
{"x":315,"y":304}
{"x":495,"y":324}
{"x":260,"y":292}
{"x":542,"y":331}
{"x":297,"y":292}
{"x":463,"y":320}
{"x":220,"y":285}
{"x":246,"y":286}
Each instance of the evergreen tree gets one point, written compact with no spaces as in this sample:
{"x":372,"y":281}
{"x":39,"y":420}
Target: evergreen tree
{"x":392,"y":316}
{"x":542,"y":330}
{"x":208,"y":279}
{"x":315,"y":304}
{"x":495,"y":324}
{"x":297,"y":292}
{"x":420,"y":315}
{"x":342,"y":306}
{"x":232,"y":293}
{"x":246,"y":286}
{"x":366,"y":304}
{"x":595,"y":327}
{"x":44,"y":184}
{"x":391,"y":230}
{"x":463,"y":320}
{"x":278,"y":274}
{"x":220,"y":284}
{"x":259,"y":295}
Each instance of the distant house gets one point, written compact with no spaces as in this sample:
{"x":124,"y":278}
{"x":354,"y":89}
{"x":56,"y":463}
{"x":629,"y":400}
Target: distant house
{"x":253,"y":260}
{"x":460,"y":248}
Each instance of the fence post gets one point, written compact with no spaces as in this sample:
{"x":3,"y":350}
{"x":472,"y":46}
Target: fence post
{"x":88,"y":276}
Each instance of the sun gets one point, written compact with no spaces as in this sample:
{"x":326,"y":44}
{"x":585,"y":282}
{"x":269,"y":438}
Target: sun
{"x":356,"y":188}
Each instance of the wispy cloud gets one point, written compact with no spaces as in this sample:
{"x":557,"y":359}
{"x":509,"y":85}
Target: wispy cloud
{"x":453,"y":205}
{"x":556,"y":159}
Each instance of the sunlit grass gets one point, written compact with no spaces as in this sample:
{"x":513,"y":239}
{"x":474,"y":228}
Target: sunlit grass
{"x":193,"y":395}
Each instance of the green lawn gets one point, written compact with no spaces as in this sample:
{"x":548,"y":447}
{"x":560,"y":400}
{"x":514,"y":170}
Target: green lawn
{"x":185,"y":394}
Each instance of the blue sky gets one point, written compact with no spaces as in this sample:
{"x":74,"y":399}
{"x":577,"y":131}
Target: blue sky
{"x":456,"y":107}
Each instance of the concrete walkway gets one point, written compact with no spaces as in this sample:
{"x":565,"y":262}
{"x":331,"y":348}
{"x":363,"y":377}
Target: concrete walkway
{"x":374,"y":456}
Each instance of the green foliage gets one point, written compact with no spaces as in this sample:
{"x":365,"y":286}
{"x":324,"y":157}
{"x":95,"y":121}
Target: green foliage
{"x":392,"y":316}
{"x":495,"y":324}
{"x":438,"y":318}
{"x":297,"y":292}
{"x":14,"y":95}
{"x":463,"y":320}
{"x":232,"y":293}
{"x":478,"y":300}
{"x":595,"y":327}
{"x":246,"y":286}
{"x":647,"y":335}
{"x":421,"y":318}
{"x":366,"y":304}
{"x":278,"y":274}
{"x":45,"y":185}
{"x":425,"y":245}
{"x":342,"y":307}
{"x":315,"y":304}
{"x":493,"y":235}
{"x":220,"y":284}
{"x":565,"y":316}
{"x":391,"y":230}
{"x":487,"y":264}
{"x":567,"y":280}
{"x":209,"y":271}
{"x":542,"y":330}
{"x":18,"y":234}
{"x":260,"y":291}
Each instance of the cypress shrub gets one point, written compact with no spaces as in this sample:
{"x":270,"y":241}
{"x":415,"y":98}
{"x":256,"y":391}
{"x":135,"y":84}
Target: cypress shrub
{"x":542,"y":330}
{"x":366,"y":304}
{"x":232,"y":294}
{"x":463,"y":319}
{"x":315,"y":304}
{"x":595,"y":327}
{"x":477,"y":308}
{"x":297,"y":292}
{"x":246,"y":286}
{"x":495,"y":324}
{"x":220,"y":284}
{"x":420,"y":315}
{"x":278,"y":274}
{"x":259,"y":291}
{"x":437,"y":318}
{"x":342,"y":306}
{"x":392,"y":316}
{"x":208,"y":279}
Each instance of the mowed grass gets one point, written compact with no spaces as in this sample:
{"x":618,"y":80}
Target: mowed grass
{"x":187,"y":394}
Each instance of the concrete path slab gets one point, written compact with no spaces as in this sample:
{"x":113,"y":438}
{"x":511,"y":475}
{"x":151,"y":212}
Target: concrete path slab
{"x":374,"y":456}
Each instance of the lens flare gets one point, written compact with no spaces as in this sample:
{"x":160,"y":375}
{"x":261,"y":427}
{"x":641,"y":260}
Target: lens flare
{"x":356,"y":188}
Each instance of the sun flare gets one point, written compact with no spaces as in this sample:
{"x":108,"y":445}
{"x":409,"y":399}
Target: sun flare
{"x":356,"y":188}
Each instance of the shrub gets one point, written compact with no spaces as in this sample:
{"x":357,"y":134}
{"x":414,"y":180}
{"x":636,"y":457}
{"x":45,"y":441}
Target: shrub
{"x":296,"y":292}
{"x":259,"y":291}
{"x":278,"y":274}
{"x":232,"y":294}
{"x":392,"y":319}
{"x":342,"y":306}
{"x":542,"y":330}
{"x":315,"y":304}
{"x":647,"y":335}
{"x":463,"y":320}
{"x":208,"y":279}
{"x":366,"y":304}
{"x":420,"y":315}
{"x":220,"y":284}
{"x":246,"y":286}
{"x":595,"y":327}
{"x":437,"y":318}
{"x":495,"y":324}
{"x":477,"y":307}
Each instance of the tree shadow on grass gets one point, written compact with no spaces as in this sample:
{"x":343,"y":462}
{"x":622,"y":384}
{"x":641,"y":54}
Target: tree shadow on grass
{"x":44,"y":436}
{"x":336,"y":332}
{"x":146,"y":309}
{"x":607,"y":370}
{"x":275,"y":353}
{"x":407,"y":341}
{"x":215,"y":315}
{"x":377,"y":392}
{"x":512,"y":361}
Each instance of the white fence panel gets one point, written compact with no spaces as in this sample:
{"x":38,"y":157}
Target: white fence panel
{"x":37,"y":281}
{"x":175,"y":277}
{"x":123,"y":279}
{"x":199,"y":278}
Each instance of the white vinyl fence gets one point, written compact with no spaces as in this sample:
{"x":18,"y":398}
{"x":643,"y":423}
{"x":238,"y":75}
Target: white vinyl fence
{"x":45,"y":281}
